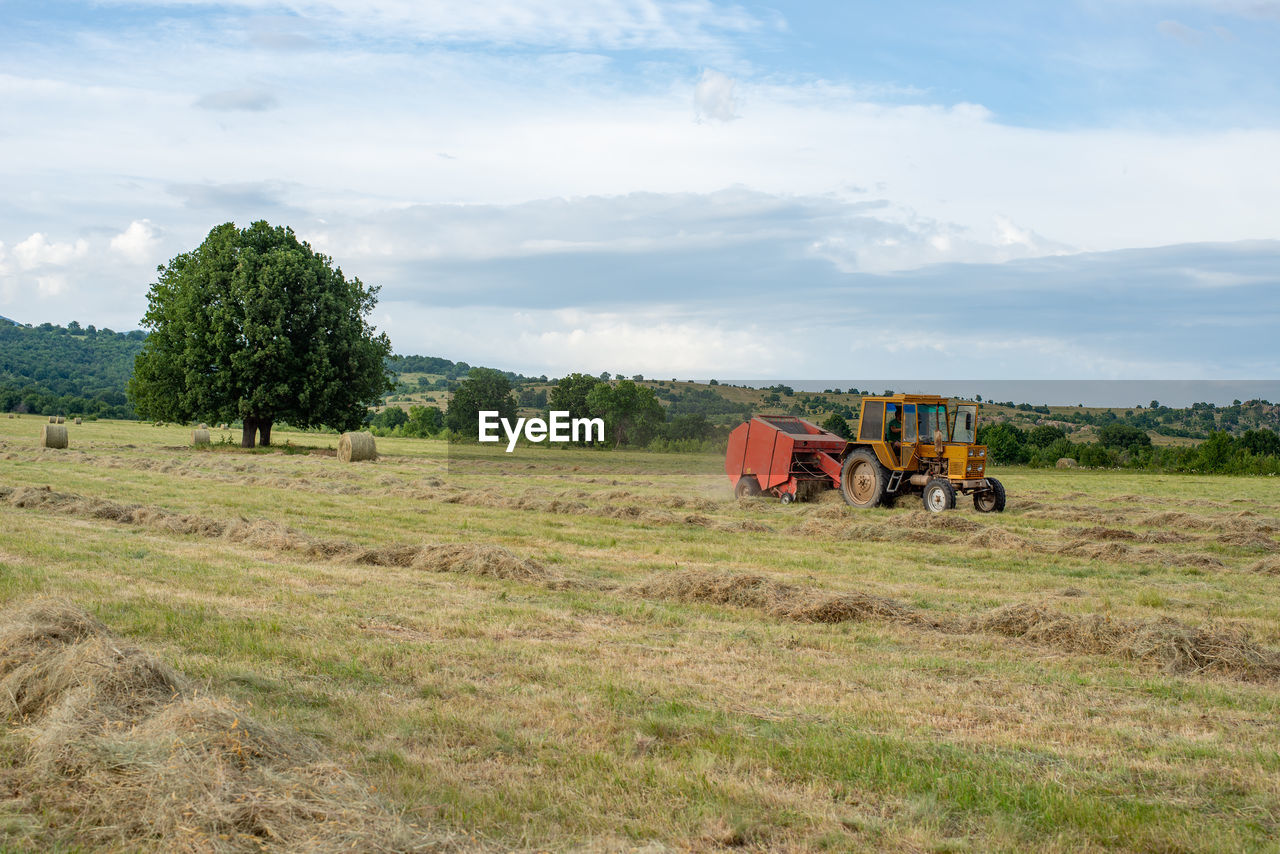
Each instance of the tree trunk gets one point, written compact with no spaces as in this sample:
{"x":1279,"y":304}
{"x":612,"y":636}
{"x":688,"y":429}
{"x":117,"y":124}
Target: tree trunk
{"x":249,"y":433}
{"x":264,"y":433}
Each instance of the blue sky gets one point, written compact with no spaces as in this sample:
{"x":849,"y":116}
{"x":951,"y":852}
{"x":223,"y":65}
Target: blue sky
{"x":1075,"y":190}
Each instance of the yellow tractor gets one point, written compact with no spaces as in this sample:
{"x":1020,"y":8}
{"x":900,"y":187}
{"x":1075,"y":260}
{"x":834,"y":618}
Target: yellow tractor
{"x":918,"y":444}
{"x":906,"y":444}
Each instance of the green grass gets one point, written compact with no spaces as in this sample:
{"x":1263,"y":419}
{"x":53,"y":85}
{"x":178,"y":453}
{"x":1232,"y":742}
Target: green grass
{"x":551,"y":718}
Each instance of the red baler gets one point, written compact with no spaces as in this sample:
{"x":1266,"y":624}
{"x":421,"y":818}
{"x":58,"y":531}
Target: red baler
{"x":784,"y":456}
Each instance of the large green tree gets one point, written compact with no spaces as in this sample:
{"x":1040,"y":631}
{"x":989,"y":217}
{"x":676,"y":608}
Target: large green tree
{"x":632,"y":413}
{"x":569,"y":394}
{"x":254,"y":325}
{"x":483,"y":389}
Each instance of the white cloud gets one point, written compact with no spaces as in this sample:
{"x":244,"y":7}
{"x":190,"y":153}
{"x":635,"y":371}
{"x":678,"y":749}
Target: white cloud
{"x":138,"y":242}
{"x":893,"y":238}
{"x":53,"y":285}
{"x":1180,"y":31}
{"x":655,"y":341}
{"x":613,"y":24}
{"x":714,"y":96}
{"x":1021,"y":242}
{"x":248,"y":100}
{"x":648,"y":342}
{"x":1256,"y":9}
{"x":37,"y":251}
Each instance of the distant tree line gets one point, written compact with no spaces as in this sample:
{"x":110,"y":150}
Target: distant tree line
{"x":66,"y":370}
{"x":1121,"y":445}
{"x":443,"y":367}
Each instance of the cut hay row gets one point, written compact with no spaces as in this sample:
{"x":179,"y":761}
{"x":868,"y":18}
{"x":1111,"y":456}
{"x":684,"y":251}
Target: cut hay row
{"x":1269,"y":566}
{"x":465,"y":558}
{"x":783,"y":601}
{"x":1175,"y":646}
{"x":1250,"y":541}
{"x":875,"y":532}
{"x":469,"y":558}
{"x":1179,"y":648}
{"x":1113,"y":552}
{"x":997,"y":538}
{"x":121,"y":752}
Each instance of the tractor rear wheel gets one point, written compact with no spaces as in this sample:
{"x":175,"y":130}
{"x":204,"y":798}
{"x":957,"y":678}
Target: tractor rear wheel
{"x":939,"y":495}
{"x":862,"y":479}
{"x":747,"y":487}
{"x":991,"y":501}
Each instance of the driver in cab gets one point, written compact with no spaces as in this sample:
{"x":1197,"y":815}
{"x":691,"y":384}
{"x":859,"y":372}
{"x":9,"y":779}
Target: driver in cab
{"x":893,"y":427}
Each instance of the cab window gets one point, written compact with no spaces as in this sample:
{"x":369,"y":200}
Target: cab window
{"x":872,"y":421}
{"x":964,"y":421}
{"x":892,"y":422}
{"x":933,"y":417}
{"x":909,"y":422}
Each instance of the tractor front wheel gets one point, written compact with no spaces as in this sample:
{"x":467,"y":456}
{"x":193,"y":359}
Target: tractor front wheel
{"x":939,"y":495}
{"x":747,"y":487}
{"x":862,"y":479}
{"x":991,"y":501}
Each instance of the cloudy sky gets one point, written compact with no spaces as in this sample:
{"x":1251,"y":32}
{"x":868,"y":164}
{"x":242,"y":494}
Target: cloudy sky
{"x":1083,"y":189}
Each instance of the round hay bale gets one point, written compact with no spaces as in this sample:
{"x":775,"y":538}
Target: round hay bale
{"x":1067,"y":463}
{"x":357,"y":447}
{"x":61,"y":420}
{"x":202,"y":426}
{"x":199,"y":437}
{"x":53,"y":436}
{"x":79,"y":421}
{"x":53,"y":419}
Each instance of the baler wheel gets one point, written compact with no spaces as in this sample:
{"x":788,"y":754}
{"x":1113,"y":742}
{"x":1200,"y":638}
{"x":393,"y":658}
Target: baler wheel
{"x":747,"y":487}
{"x":862,"y":479}
{"x":787,"y":497}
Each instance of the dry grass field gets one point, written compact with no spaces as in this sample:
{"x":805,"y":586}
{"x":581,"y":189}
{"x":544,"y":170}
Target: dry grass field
{"x":573,"y":650}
